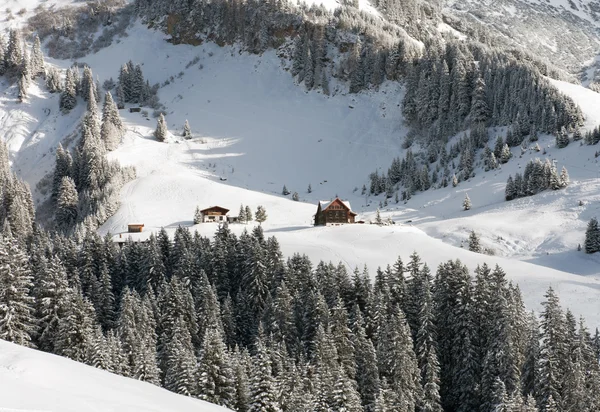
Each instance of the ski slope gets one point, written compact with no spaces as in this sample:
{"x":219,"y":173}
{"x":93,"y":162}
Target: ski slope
{"x":34,"y":381}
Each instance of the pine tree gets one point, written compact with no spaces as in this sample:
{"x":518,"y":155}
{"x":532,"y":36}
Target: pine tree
{"x":22,"y":88}
{"x":285,"y":191}
{"x":262,"y":383}
{"x":76,"y":331}
{"x":67,"y":203}
{"x":295,"y":196}
{"x":553,"y":353}
{"x":112,"y":127}
{"x":510,"y":192}
{"x":37,"y":58}
{"x":261,"y":214}
{"x":242,"y":214}
{"x":17,"y":321}
{"x":180,"y":369}
{"x":467,"y":202}
{"x":161,"y":129}
{"x":216,"y":375}
{"x":197,"y":215}
{"x":51,"y":297}
{"x":592,"y":237}
{"x":187,"y":131}
{"x":564,"y":177}
{"x":474,"y":242}
{"x":505,"y":154}
{"x":454,"y":181}
{"x":68,"y":98}
{"x":13,"y":57}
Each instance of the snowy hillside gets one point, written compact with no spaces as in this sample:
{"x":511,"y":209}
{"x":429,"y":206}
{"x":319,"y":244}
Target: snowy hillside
{"x":562,"y":32}
{"x":37,"y":381}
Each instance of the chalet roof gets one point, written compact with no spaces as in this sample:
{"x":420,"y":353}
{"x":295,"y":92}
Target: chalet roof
{"x":215,"y":208}
{"x":135,"y":224}
{"x":326,"y":203}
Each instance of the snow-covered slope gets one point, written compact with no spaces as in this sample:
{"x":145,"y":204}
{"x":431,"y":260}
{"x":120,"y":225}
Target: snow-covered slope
{"x":561,"y":32}
{"x":37,"y":381}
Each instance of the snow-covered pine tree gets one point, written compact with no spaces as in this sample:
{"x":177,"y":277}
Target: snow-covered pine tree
{"x":51,"y":298}
{"x":53,"y":80}
{"x":180,"y":369}
{"x":249,"y":216}
{"x":263,"y":397}
{"x":510,"y":192}
{"x":564,"y":177}
{"x":17,"y":319}
{"x":505,"y":154}
{"x":187,"y":131}
{"x":37,"y":66}
{"x":592,"y":236}
{"x":216,"y":380}
{"x":13,"y":57}
{"x":112,"y":126}
{"x":467,"y":202}
{"x":161,"y":129}
{"x":22,"y":95}
{"x":261,"y":214}
{"x":285,"y":191}
{"x":454,"y":181}
{"x":67,"y":203}
{"x":197,"y":215}
{"x":242,"y":215}
{"x":68,"y":98}
{"x":554,"y":354}
{"x":474,"y":242}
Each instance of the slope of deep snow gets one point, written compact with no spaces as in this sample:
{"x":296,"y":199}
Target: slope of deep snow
{"x":36,"y":381}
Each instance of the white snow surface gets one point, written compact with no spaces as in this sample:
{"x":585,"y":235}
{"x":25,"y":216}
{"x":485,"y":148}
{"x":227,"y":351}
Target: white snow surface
{"x":34,"y":381}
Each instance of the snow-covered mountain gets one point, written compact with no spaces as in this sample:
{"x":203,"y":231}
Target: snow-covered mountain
{"x":563,"y":33}
{"x":256,"y":130}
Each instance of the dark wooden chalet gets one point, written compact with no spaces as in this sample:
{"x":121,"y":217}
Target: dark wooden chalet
{"x":214,"y":214}
{"x":334,"y":212}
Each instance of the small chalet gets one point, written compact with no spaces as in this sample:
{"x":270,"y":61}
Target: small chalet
{"x":135,"y":227}
{"x":214,"y":214}
{"x":334,"y":212}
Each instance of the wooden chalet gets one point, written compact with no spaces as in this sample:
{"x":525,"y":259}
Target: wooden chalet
{"x":214,"y":214}
{"x":334,"y":212}
{"x":135,"y":227}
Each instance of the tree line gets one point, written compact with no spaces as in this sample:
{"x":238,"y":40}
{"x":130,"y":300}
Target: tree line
{"x":230,"y":321}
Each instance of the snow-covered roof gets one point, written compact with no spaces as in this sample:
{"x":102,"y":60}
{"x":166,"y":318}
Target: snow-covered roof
{"x":326,"y":203}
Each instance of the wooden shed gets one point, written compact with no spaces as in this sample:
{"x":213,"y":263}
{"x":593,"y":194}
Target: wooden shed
{"x":135,"y":227}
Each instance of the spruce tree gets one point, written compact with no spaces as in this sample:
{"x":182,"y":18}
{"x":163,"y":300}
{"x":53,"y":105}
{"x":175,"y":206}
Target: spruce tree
{"x":112,"y":127}
{"x":474,"y":242}
{"x":187,"y":131}
{"x":161,"y":129}
{"x":262,"y":384}
{"x":467,"y":202}
{"x":592,"y":236}
{"x":216,"y":375}
{"x":261,"y":214}
{"x":67,"y":203}
{"x":17,"y":320}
